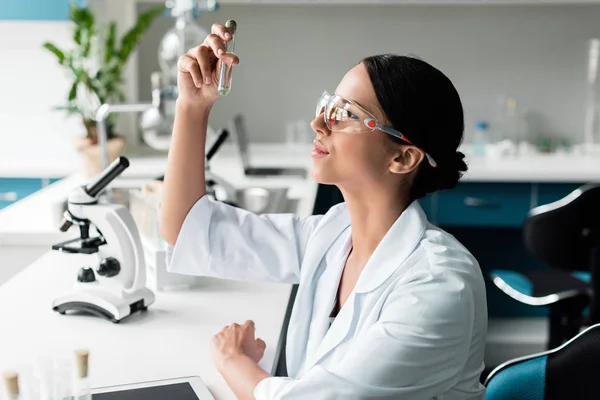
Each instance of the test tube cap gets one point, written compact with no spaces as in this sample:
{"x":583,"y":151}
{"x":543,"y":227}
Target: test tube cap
{"x":231,"y":25}
{"x":82,"y":359}
{"x":11,"y":380}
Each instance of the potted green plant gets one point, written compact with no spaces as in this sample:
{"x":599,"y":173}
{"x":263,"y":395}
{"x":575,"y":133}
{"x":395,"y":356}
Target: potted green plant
{"x":95,"y":65}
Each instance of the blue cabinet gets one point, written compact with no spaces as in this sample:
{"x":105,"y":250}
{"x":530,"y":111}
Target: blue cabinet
{"x":484,"y":204}
{"x":495,"y":205}
{"x":15,"y":189}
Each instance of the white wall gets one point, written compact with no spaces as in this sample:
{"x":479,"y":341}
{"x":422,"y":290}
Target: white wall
{"x":290,"y":53}
{"x":31,"y":83}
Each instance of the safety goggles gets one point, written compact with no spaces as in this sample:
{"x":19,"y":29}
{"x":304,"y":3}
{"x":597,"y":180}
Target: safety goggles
{"x":343,"y":115}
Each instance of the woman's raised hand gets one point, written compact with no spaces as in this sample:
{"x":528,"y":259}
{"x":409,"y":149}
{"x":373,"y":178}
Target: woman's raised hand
{"x":198,"y":75}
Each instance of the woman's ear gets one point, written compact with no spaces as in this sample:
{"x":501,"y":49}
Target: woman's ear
{"x":406,"y":160}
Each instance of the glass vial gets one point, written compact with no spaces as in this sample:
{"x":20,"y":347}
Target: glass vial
{"x":81,"y":384}
{"x":225,"y":74}
{"x":11,"y":381}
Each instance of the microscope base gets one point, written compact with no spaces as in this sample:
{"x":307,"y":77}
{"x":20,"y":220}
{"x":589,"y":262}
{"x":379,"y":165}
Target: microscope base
{"x":104,"y":304}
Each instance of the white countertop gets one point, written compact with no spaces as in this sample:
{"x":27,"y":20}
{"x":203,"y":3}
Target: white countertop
{"x":172,"y":339}
{"x":554,"y":168}
{"x":34,"y":220}
{"x":531,"y":168}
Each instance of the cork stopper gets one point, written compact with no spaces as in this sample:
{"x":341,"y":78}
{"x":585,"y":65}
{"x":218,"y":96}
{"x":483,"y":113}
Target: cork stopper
{"x":82,"y":357}
{"x":11,"y":380}
{"x":231,"y":25}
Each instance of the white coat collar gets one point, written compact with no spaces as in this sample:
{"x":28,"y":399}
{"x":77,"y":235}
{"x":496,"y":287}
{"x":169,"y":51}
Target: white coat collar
{"x":389,"y":255}
{"x":395,"y":247}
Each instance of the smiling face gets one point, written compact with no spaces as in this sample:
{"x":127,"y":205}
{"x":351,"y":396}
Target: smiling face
{"x":351,"y":160}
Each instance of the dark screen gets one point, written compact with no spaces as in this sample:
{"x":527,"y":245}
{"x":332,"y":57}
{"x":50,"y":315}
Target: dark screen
{"x":176,"y":391}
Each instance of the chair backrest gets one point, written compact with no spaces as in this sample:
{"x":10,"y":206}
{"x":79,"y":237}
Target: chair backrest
{"x":555,"y":232}
{"x":568,"y":372}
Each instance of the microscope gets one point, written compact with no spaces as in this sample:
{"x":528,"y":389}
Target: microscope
{"x":116,"y":288}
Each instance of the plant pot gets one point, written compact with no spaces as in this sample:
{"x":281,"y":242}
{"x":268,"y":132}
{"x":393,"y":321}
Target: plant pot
{"x":91,"y":157}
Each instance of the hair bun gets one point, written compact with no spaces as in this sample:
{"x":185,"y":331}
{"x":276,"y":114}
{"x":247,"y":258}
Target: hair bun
{"x":459,"y":161}
{"x":450,"y":170}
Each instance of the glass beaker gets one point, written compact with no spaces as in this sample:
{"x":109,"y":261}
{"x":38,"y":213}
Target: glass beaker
{"x":182,"y":37}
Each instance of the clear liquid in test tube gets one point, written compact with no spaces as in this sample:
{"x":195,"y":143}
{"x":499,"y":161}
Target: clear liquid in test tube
{"x":225,"y":74}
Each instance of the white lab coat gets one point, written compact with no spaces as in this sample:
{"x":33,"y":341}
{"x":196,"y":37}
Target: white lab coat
{"x":413,"y":328}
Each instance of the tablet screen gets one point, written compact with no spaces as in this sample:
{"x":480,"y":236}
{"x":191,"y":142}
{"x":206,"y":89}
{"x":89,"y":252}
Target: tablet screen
{"x":174,"y":391}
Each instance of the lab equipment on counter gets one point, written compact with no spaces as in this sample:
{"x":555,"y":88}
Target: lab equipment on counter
{"x":116,"y":287}
{"x":81,"y":383}
{"x":144,"y":204}
{"x":226,"y":71}
{"x":509,"y":133}
{"x":53,"y":377}
{"x":240,"y":137}
{"x":183,"y":36}
{"x":11,"y":382}
{"x":156,"y":123}
{"x":480,"y":139}
{"x":187,"y":388}
{"x":145,"y":207}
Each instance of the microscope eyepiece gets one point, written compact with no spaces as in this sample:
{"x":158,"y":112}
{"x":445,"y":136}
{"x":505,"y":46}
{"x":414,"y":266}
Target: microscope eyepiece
{"x":107,"y":176}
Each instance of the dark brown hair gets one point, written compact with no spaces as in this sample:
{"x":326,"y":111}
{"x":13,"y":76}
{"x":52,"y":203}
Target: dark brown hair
{"x":422,"y":103}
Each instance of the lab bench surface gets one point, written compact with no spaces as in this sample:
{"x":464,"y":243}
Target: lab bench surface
{"x":172,"y":339}
{"x":34,"y":220}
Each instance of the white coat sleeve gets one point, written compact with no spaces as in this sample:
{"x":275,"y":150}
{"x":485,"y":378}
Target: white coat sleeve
{"x":416,"y":351}
{"x":219,"y":240}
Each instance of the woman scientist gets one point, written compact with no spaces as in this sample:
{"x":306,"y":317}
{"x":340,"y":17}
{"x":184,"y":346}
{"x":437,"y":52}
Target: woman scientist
{"x":388,"y":305}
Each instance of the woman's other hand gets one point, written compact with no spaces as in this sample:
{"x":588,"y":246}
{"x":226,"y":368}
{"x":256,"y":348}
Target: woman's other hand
{"x":237,"y":340}
{"x":198,"y":75}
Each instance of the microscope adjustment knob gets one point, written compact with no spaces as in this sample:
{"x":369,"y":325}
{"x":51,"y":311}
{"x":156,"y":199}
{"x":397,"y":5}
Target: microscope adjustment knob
{"x":86,"y":275}
{"x":109,"y":267}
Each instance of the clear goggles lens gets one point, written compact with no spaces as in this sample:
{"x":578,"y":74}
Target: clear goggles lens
{"x":341,"y":115}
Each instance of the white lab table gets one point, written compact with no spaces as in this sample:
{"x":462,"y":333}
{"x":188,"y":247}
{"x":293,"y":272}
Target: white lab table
{"x":172,"y":339}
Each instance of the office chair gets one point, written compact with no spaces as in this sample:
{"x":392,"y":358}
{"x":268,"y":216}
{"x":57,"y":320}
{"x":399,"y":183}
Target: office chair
{"x":568,"y":372}
{"x":566,"y":236}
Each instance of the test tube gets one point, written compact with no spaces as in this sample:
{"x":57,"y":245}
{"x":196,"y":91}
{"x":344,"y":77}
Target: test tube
{"x":11,"y":381}
{"x":225,"y":75}
{"x":81,"y":385}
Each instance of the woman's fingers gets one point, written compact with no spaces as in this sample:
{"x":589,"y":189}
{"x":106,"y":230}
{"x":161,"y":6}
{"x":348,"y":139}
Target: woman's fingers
{"x":216,"y":44}
{"x":230,"y":59}
{"x":221,"y":31}
{"x":202,"y":54}
{"x":261,"y":344}
{"x":189,"y":64}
